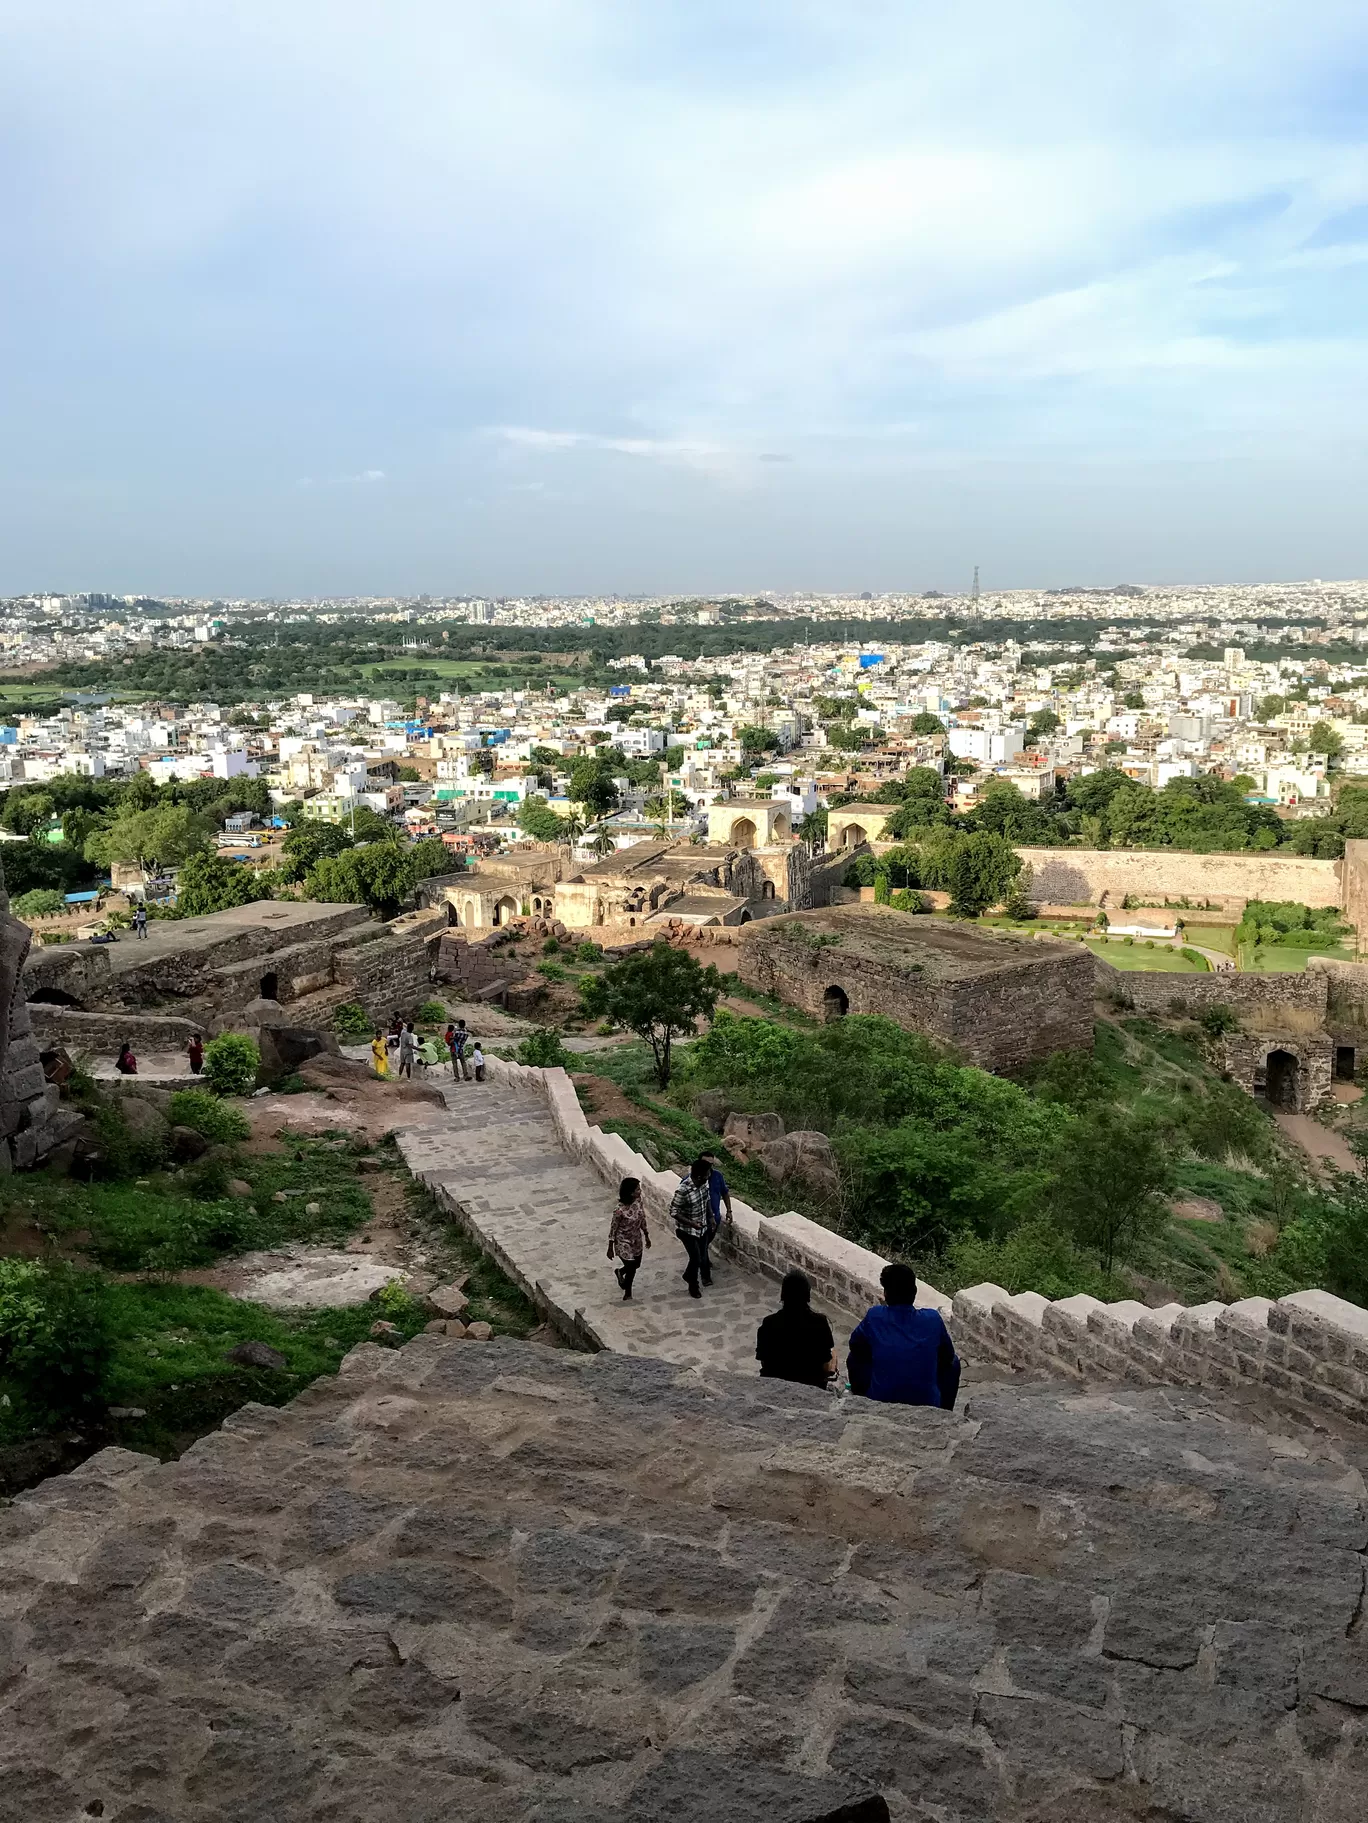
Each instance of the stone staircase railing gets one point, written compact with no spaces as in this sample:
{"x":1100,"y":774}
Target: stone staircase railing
{"x":1306,"y":1351}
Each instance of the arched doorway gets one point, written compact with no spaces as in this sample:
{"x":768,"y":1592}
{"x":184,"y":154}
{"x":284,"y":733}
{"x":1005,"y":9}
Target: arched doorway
{"x":270,"y":986}
{"x":745,"y":917}
{"x":767,"y":890}
{"x":504,"y":910}
{"x":781,"y":824}
{"x":55,"y":996}
{"x":743,"y":833}
{"x":472,"y":913}
{"x":453,"y":916}
{"x":1282,"y":1074}
{"x":852,"y":835}
{"x":835,"y":1003}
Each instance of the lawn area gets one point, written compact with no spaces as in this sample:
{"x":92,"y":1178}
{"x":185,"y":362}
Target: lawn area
{"x":479,"y":674}
{"x":1156,"y":960}
{"x":1275,"y":958}
{"x":1212,"y":936}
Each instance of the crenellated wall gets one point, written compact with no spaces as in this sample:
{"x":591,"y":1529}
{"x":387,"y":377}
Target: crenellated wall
{"x":1307,"y":1351}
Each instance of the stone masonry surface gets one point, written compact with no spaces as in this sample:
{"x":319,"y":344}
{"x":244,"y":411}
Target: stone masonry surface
{"x":501,"y":1582}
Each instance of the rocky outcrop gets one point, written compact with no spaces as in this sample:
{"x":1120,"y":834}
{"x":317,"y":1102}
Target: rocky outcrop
{"x":490,"y":1579}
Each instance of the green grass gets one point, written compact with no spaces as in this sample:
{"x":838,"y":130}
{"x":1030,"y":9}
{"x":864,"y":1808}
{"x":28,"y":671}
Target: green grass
{"x":1276,"y":958}
{"x":476,"y":674}
{"x":1151,"y":961}
{"x":1212,"y":936}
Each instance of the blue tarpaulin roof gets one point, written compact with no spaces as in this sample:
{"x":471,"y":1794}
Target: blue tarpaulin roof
{"x":82,"y":898}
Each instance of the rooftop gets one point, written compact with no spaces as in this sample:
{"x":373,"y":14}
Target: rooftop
{"x":941,"y":948}
{"x":287,"y":918}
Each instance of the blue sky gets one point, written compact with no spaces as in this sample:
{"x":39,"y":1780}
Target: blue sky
{"x":573,"y":295}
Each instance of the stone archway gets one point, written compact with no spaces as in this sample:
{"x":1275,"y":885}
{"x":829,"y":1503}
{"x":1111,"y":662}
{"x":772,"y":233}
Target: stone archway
{"x":852,"y":835}
{"x":743,"y":833}
{"x":472,"y":914}
{"x":269,"y":988}
{"x":835,"y":1003}
{"x":1282,"y":1074}
{"x":767,"y":889}
{"x":452,"y":915}
{"x":781,"y":824}
{"x":505,"y":909}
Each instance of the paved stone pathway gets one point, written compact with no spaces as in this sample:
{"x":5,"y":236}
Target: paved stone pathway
{"x":545,"y":1215}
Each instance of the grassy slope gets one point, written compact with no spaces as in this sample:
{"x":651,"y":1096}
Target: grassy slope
{"x":1152,"y":961}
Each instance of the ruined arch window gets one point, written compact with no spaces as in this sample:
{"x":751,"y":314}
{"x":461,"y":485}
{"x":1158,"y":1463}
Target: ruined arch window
{"x":852,"y":835}
{"x":835,"y":1003}
{"x":269,"y":988}
{"x":453,"y":916}
{"x":767,"y":890}
{"x":743,"y":833}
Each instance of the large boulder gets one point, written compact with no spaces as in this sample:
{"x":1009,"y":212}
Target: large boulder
{"x":712,"y":1107}
{"x":345,"y":1077}
{"x":286,"y":1048}
{"x":745,"y":1134}
{"x":805,"y":1155}
{"x":144,"y":1121}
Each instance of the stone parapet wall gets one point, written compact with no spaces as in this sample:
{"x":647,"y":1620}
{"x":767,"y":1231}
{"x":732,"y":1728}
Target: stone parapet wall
{"x":1158,"y":992}
{"x":85,"y":1033}
{"x":1091,"y":876}
{"x":1306,"y":1352}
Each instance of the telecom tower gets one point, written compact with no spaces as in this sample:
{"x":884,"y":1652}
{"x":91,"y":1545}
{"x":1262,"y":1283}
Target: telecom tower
{"x":974,"y":592}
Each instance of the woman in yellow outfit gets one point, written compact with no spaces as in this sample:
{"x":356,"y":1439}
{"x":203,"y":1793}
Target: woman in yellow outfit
{"x":380,"y":1055}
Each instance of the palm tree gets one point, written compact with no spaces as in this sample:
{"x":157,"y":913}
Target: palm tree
{"x":603,"y":844}
{"x":574,"y":824}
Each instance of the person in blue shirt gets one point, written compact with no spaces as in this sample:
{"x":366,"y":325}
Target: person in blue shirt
{"x":718,"y":1194}
{"x":902,"y":1355}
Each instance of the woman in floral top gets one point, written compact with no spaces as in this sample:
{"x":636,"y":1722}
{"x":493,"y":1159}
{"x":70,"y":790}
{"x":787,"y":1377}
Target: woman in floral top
{"x":627,"y":1232}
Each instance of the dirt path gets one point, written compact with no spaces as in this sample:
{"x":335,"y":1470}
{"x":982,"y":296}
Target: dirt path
{"x":1325,"y":1146}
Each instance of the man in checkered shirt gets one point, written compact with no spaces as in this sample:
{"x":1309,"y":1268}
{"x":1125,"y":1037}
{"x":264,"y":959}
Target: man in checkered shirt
{"x":691,"y":1213}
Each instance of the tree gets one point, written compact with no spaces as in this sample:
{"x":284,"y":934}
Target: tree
{"x":1269,"y":707}
{"x":211,"y":883}
{"x":981,"y":870}
{"x":758,"y":740}
{"x":926,"y":723}
{"x":538,"y":820}
{"x":846,"y":739}
{"x":1327,"y":740}
{"x":1133,"y":700}
{"x":1113,"y":1182}
{"x":165,"y":836}
{"x":1044,"y":721}
{"x":378,"y":875}
{"x":41,"y":902}
{"x":591,"y":784}
{"x":429,"y":857}
{"x":307,"y":843}
{"x":603,"y":843}
{"x":660,"y":996}
{"x":367,"y":825}
{"x":27,"y":814}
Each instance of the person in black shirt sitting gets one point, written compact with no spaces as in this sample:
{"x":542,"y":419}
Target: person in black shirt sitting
{"x":796,"y":1343}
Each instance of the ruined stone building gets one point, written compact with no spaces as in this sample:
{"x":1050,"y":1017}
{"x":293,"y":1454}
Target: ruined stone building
{"x":662,"y":881}
{"x":1000,"y":1001}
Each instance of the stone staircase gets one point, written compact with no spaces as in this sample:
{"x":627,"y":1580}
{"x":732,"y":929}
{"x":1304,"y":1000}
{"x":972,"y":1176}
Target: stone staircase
{"x":499,"y":1166}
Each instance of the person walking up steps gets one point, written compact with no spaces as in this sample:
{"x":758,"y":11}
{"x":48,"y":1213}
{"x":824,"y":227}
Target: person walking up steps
{"x":460,"y":1038}
{"x":627,"y":1232}
{"x":690,"y":1211}
{"x":408,"y":1050}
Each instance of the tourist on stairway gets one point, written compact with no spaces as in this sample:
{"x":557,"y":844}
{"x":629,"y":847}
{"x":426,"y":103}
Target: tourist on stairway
{"x":796,"y":1343}
{"x":718,"y":1194}
{"x":691,"y":1213}
{"x":902,"y":1355}
{"x":626,"y":1233}
{"x":477,"y":1058}
{"x":408,"y":1049}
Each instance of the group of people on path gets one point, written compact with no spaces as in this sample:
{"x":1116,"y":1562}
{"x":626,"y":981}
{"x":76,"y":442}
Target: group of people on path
{"x":898,"y":1354}
{"x":395,"y":1052}
{"x":126,"y":1063}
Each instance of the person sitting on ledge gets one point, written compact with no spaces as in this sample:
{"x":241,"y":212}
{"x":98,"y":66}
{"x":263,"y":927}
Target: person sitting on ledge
{"x":902,"y":1355}
{"x":796,"y":1343}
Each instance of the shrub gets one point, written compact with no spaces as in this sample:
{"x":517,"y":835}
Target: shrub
{"x":551,"y":947}
{"x":206,"y":1114}
{"x":553,"y":971}
{"x":431,"y":1012}
{"x":55,"y":1339}
{"x":231,"y":1063}
{"x":42,"y":902}
{"x":351,"y":1021}
{"x":588,"y":952}
{"x":1216,"y":1021}
{"x":544,"y":1050}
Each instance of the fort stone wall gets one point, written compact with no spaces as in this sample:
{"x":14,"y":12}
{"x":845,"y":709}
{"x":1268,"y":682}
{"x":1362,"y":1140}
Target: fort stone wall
{"x":1094,"y":876}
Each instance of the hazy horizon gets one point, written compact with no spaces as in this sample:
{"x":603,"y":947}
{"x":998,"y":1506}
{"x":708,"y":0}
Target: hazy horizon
{"x":571,"y":298}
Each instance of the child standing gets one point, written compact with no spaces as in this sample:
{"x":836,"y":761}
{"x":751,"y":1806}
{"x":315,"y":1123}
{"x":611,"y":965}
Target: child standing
{"x":477,"y":1058}
{"x":627,"y":1232}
